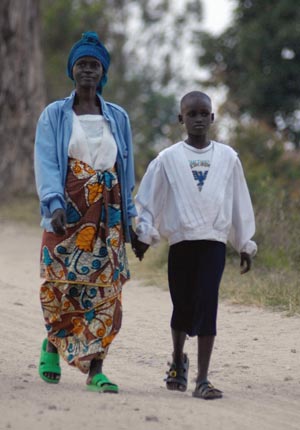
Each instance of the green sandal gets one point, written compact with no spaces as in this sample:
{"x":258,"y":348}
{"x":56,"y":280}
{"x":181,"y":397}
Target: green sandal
{"x":49,"y":363}
{"x":102,"y":384}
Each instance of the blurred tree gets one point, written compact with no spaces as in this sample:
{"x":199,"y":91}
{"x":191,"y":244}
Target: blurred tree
{"x":273,"y":177}
{"x":21,"y":92}
{"x":258,"y":60}
{"x":148,"y":45}
{"x":63,"y":22}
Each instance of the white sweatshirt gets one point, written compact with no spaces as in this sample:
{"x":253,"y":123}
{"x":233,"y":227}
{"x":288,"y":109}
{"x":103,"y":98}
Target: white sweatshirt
{"x":170,"y":205}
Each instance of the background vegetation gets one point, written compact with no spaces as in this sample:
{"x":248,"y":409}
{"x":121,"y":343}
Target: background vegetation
{"x":158,"y":52}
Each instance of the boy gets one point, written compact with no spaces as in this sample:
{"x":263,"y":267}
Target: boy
{"x":194,"y":194}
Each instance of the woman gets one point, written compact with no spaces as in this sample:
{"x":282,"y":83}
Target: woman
{"x":85,"y":176}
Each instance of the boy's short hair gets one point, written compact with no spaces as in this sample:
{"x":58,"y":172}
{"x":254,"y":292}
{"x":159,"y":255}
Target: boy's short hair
{"x":192,"y":94}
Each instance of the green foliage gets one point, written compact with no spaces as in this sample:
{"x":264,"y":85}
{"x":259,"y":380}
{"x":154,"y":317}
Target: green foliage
{"x":273,"y":177}
{"x":62,"y":25}
{"x":258,"y":60}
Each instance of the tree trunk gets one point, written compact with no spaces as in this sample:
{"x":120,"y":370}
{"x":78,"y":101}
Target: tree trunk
{"x":21,"y":93}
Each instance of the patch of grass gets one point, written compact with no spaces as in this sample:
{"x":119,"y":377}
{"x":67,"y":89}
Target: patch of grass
{"x":152,"y":270}
{"x":278,"y":289}
{"x":274,"y":288}
{"x":23,"y":208}
{"x":275,"y":258}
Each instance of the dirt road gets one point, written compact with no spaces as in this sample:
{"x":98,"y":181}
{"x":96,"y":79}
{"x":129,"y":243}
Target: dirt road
{"x":256,"y":362}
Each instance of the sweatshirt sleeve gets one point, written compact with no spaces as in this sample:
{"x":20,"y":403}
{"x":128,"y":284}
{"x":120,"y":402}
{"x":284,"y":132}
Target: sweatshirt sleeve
{"x":243,"y":221}
{"x":149,"y":202}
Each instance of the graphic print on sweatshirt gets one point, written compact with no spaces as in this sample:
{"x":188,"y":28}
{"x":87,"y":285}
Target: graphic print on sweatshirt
{"x":199,"y":160}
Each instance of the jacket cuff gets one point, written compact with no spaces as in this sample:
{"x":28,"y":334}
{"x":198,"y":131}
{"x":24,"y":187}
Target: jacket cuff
{"x":55,"y":204}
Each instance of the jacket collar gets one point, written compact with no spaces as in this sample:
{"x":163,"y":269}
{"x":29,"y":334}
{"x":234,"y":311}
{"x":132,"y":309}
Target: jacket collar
{"x":69,"y":101}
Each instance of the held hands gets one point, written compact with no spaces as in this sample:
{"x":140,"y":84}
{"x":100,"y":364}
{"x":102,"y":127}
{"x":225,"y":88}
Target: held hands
{"x":245,"y":261}
{"x":59,"y":221}
{"x":139,"y":248}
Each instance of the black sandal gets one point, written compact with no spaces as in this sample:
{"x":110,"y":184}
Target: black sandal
{"x":177,"y":378}
{"x":205,"y":390}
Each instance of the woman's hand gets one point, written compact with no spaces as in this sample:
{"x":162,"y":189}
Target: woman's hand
{"x":59,"y":221}
{"x":245,"y":261}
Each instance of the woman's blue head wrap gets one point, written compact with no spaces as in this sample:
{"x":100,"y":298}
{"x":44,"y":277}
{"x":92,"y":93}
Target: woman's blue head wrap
{"x":89,"y":46}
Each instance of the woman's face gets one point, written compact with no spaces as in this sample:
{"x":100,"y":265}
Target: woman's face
{"x":87,"y":72}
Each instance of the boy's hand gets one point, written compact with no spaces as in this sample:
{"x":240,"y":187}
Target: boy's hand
{"x":133,"y":237}
{"x":245,"y":261}
{"x":134,"y":240}
{"x":59,"y":221}
{"x":141,"y":248}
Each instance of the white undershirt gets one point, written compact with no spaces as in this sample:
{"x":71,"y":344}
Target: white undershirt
{"x":92,"y":142}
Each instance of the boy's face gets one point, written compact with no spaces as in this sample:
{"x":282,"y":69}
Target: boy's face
{"x":196,"y":115}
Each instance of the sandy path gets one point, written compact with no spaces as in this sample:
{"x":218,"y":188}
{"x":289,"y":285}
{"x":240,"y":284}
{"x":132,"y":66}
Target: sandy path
{"x":256,"y":362}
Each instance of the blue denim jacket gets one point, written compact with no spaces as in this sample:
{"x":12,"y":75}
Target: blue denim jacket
{"x":53,"y":134}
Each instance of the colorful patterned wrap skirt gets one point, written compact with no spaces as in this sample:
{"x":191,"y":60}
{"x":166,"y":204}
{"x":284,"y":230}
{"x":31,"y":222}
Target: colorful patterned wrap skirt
{"x":85,"y":269}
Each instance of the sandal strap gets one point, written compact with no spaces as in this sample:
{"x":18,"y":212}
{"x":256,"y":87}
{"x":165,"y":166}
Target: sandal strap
{"x":206,"y":385}
{"x":205,"y":389}
{"x":178,"y":374}
{"x":49,"y":363}
{"x":49,"y":358}
{"x":101,"y":379}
